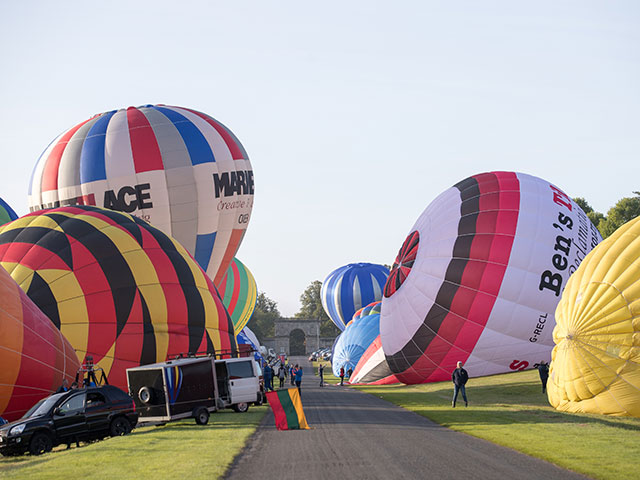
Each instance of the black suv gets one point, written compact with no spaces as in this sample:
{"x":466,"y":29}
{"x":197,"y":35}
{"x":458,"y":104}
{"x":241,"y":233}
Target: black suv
{"x":89,"y":413}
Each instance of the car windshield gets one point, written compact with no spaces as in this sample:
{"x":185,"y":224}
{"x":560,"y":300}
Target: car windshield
{"x":43,"y":406}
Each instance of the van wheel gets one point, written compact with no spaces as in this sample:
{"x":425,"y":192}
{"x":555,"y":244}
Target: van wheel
{"x":40,"y":443}
{"x":119,"y":426}
{"x":202,"y":416}
{"x":241,"y":407}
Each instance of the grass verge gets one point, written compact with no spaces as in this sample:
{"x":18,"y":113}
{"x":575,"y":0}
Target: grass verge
{"x":176,"y":450}
{"x":510,"y":410}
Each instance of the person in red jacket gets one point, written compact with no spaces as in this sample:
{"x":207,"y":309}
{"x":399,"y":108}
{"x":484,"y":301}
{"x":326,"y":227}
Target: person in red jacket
{"x":341,"y":375}
{"x":459,"y":378}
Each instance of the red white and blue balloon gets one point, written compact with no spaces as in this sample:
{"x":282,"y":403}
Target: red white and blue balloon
{"x":179,"y":169}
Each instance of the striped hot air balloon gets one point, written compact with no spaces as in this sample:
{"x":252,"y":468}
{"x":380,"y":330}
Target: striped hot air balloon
{"x":351,"y":287}
{"x":179,"y":169}
{"x":35,"y":357}
{"x":239,"y":293}
{"x":479,"y":277}
{"x":354,"y":341}
{"x":6,"y":213}
{"x":118,"y":288}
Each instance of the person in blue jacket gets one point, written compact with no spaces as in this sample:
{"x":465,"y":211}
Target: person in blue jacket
{"x":298,"y":378}
{"x":268,"y":377}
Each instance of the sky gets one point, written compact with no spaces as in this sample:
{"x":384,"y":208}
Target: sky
{"x":355,"y":114}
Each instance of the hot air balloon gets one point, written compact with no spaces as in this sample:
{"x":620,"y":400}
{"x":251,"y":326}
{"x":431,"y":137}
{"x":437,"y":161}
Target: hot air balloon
{"x":353,"y":342}
{"x":6,"y":213}
{"x":119,"y":289}
{"x":595,"y":364}
{"x":372,"y":368}
{"x":239,"y":293}
{"x":247,"y":337}
{"x":479,"y":276}
{"x":179,"y":169}
{"x":349,"y":288}
{"x":34,"y":355}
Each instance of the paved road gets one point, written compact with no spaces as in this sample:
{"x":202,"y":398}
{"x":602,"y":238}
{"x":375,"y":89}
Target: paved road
{"x":358,"y":436}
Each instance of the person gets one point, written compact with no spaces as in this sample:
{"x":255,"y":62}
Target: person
{"x":321,"y":373}
{"x":64,"y":387}
{"x":349,"y":372}
{"x":268,"y":377}
{"x":292,"y":374}
{"x":282,"y":373}
{"x":543,"y":371}
{"x":459,"y":378}
{"x":341,"y":375}
{"x":298,"y":378}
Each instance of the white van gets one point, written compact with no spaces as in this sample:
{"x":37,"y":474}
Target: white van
{"x":194,"y":387}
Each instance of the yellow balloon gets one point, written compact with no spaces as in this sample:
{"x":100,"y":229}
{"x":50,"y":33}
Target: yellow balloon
{"x":595,"y":366}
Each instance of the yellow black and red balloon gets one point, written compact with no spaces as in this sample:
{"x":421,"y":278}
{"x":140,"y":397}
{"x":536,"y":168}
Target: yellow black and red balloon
{"x":118,"y":288}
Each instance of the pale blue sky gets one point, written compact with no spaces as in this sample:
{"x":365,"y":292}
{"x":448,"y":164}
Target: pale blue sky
{"x":355,"y":115}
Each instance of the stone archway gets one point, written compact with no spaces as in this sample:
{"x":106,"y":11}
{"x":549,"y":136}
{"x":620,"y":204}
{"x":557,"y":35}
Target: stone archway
{"x":297,"y":342}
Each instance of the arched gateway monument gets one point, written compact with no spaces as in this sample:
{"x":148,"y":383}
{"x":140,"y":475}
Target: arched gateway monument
{"x":299,"y":336}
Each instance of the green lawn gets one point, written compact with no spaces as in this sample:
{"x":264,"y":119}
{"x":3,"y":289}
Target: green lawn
{"x":176,"y":450}
{"x":510,"y":410}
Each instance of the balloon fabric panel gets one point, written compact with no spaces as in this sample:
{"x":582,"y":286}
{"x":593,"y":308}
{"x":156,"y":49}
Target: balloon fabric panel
{"x":6,"y":213}
{"x":239,"y":293}
{"x":353,"y":342}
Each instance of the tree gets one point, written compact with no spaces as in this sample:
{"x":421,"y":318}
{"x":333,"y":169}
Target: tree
{"x":624,"y":211}
{"x":595,"y":217}
{"x":264,"y":317}
{"x":311,"y":302}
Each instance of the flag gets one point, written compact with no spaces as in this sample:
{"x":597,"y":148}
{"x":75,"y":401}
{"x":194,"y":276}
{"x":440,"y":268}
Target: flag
{"x":287,"y":409}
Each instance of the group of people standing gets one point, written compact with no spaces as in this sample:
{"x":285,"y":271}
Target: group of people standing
{"x":294,"y":372}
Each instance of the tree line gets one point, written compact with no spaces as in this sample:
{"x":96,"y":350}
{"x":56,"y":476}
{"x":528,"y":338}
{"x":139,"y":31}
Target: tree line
{"x":625,"y":210}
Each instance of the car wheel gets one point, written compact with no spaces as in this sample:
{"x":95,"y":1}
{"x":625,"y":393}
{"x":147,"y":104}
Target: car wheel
{"x":144,"y":394}
{"x":40,"y":443}
{"x":119,"y":426}
{"x":241,"y":407}
{"x":202,"y":416}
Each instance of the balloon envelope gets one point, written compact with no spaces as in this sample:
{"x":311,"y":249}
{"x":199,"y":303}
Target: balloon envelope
{"x":6,"y":213}
{"x":118,"y":288}
{"x":179,"y":169}
{"x":34,"y":355}
{"x":351,"y":287}
{"x":479,"y":276}
{"x":372,"y":368}
{"x":239,"y":293}
{"x":596,"y":360}
{"x":247,"y":337}
{"x":353,"y":342}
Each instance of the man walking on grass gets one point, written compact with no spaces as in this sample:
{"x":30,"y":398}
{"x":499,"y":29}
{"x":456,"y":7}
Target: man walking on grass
{"x":459,"y":378}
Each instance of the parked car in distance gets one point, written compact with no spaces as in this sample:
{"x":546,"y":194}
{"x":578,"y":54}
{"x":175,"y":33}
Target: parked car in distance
{"x":91,"y":413}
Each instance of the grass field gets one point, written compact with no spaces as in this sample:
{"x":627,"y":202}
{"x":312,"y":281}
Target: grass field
{"x":176,"y":450}
{"x":510,"y":410}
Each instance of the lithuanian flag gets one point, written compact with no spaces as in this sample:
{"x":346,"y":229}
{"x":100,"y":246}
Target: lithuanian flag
{"x":287,"y":408}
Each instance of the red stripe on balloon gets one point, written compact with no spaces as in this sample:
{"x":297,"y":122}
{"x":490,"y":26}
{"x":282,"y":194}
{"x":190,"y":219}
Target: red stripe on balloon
{"x":50,"y":172}
{"x":229,"y":140}
{"x":144,"y":146}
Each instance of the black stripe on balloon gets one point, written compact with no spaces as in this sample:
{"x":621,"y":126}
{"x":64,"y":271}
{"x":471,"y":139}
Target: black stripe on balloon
{"x":115,"y":268}
{"x":133,"y":227}
{"x":40,"y":293}
{"x":195,"y":306}
{"x":52,"y":240}
{"x":149,"y":349}
{"x":414,"y":349}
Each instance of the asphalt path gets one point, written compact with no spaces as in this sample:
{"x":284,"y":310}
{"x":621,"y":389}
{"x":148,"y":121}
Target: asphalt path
{"x":359,"y":436}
